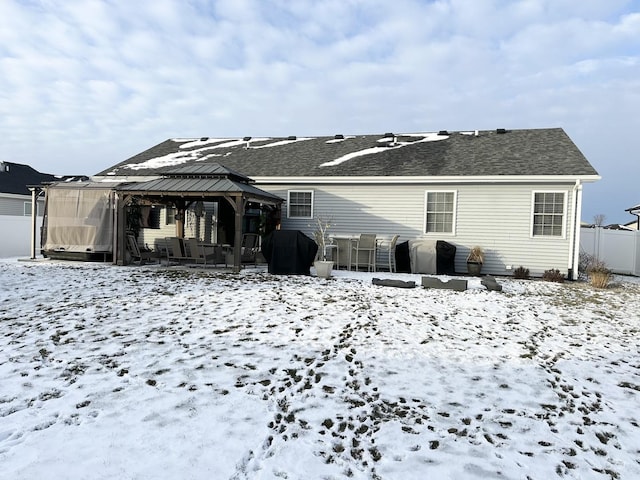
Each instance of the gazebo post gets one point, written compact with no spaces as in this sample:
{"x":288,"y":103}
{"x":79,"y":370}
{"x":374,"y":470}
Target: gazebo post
{"x":119,"y":257}
{"x":238,"y":206}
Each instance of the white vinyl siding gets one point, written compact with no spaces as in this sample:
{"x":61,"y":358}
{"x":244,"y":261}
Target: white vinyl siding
{"x":440,"y":212}
{"x":548,"y":214}
{"x":494,"y":216}
{"x":11,"y":204}
{"x":300,"y":204}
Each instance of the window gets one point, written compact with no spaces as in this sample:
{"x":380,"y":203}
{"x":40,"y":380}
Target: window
{"x":170,"y":216}
{"x":300,"y":204}
{"x":548,"y":214}
{"x":27,"y":209}
{"x":154,"y":217}
{"x":440,"y":212}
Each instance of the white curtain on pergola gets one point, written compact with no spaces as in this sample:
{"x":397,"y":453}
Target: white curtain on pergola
{"x":79,"y":219}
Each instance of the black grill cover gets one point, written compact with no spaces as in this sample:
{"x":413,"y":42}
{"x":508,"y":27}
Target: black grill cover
{"x":445,"y":258}
{"x":289,"y":252}
{"x":403,"y":264}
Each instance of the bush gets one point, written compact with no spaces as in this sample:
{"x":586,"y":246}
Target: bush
{"x":599,"y":274}
{"x":553,"y":275}
{"x":585,"y":261}
{"x":521,"y":273}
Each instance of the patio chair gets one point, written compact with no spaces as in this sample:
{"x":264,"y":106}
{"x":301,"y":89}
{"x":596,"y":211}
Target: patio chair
{"x":204,"y":253}
{"x":250,"y":248}
{"x":343,"y":253}
{"x":388,"y":247}
{"x":176,"y":250}
{"x":136,"y":252}
{"x":363,"y":252}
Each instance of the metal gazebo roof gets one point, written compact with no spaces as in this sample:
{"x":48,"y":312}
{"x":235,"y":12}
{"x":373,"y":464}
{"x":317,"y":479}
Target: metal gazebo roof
{"x":204,"y":180}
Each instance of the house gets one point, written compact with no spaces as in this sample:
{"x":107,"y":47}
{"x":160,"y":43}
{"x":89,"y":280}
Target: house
{"x":15,"y":194}
{"x":16,"y":206}
{"x":635,"y":210}
{"x":516,"y":193}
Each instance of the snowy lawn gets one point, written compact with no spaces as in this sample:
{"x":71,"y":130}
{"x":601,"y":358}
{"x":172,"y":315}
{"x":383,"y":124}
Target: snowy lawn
{"x":152,"y":373}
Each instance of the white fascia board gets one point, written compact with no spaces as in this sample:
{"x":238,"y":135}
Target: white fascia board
{"x":420,"y":180}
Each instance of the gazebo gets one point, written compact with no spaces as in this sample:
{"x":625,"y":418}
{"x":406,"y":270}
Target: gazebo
{"x":89,"y":220}
{"x":186,"y":185}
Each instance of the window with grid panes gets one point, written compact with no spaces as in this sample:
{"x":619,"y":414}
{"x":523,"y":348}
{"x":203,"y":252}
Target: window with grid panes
{"x":300,"y":204}
{"x":548,"y":214}
{"x":440,"y":212}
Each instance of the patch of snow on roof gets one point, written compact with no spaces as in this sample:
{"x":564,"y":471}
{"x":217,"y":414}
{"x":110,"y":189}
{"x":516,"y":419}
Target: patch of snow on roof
{"x":349,"y":156}
{"x":221,"y":143}
{"x":282,"y":142}
{"x":428,"y":137}
{"x":338,"y":140}
{"x":168,"y":160}
{"x":199,"y":142}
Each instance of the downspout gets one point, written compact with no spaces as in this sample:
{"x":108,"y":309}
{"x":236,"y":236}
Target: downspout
{"x":574,"y":236}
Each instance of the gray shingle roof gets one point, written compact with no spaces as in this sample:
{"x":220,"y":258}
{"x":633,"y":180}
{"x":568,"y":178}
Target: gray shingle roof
{"x":16,"y":178}
{"x":516,"y":152}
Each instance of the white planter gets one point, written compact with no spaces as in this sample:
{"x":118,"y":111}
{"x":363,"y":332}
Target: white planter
{"x":323,"y":268}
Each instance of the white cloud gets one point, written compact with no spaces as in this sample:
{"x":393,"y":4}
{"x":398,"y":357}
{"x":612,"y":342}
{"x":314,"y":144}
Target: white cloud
{"x":98,"y":81}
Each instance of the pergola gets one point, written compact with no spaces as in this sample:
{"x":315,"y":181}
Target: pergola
{"x":181,"y":187}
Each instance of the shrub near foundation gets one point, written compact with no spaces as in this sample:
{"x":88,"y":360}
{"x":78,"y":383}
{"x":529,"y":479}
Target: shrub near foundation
{"x":553,"y":275}
{"x":521,"y":273}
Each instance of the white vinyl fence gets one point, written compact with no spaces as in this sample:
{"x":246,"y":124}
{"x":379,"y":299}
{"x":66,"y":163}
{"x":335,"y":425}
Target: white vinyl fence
{"x":15,"y":239}
{"x":618,"y":249}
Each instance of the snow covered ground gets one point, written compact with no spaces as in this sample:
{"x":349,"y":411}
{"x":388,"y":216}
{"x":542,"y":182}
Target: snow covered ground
{"x":113,"y":372}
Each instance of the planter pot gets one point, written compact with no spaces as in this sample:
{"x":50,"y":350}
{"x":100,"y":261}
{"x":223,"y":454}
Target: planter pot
{"x":323,"y":268}
{"x":474,"y":268}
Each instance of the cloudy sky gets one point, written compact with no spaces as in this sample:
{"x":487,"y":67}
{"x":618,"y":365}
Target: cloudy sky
{"x":85,"y":84}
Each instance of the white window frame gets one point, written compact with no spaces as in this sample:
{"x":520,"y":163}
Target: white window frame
{"x":565,"y":195}
{"x":27,"y":209}
{"x":289,"y":192}
{"x":454,"y":213}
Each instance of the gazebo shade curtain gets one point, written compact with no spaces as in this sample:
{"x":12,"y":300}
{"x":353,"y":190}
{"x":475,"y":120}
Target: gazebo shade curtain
{"x":79,"y":219}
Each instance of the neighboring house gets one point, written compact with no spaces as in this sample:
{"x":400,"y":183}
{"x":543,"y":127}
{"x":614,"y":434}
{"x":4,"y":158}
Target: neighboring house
{"x":635,"y":210}
{"x":516,"y":193}
{"x":15,"y":196}
{"x":16,"y":206}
